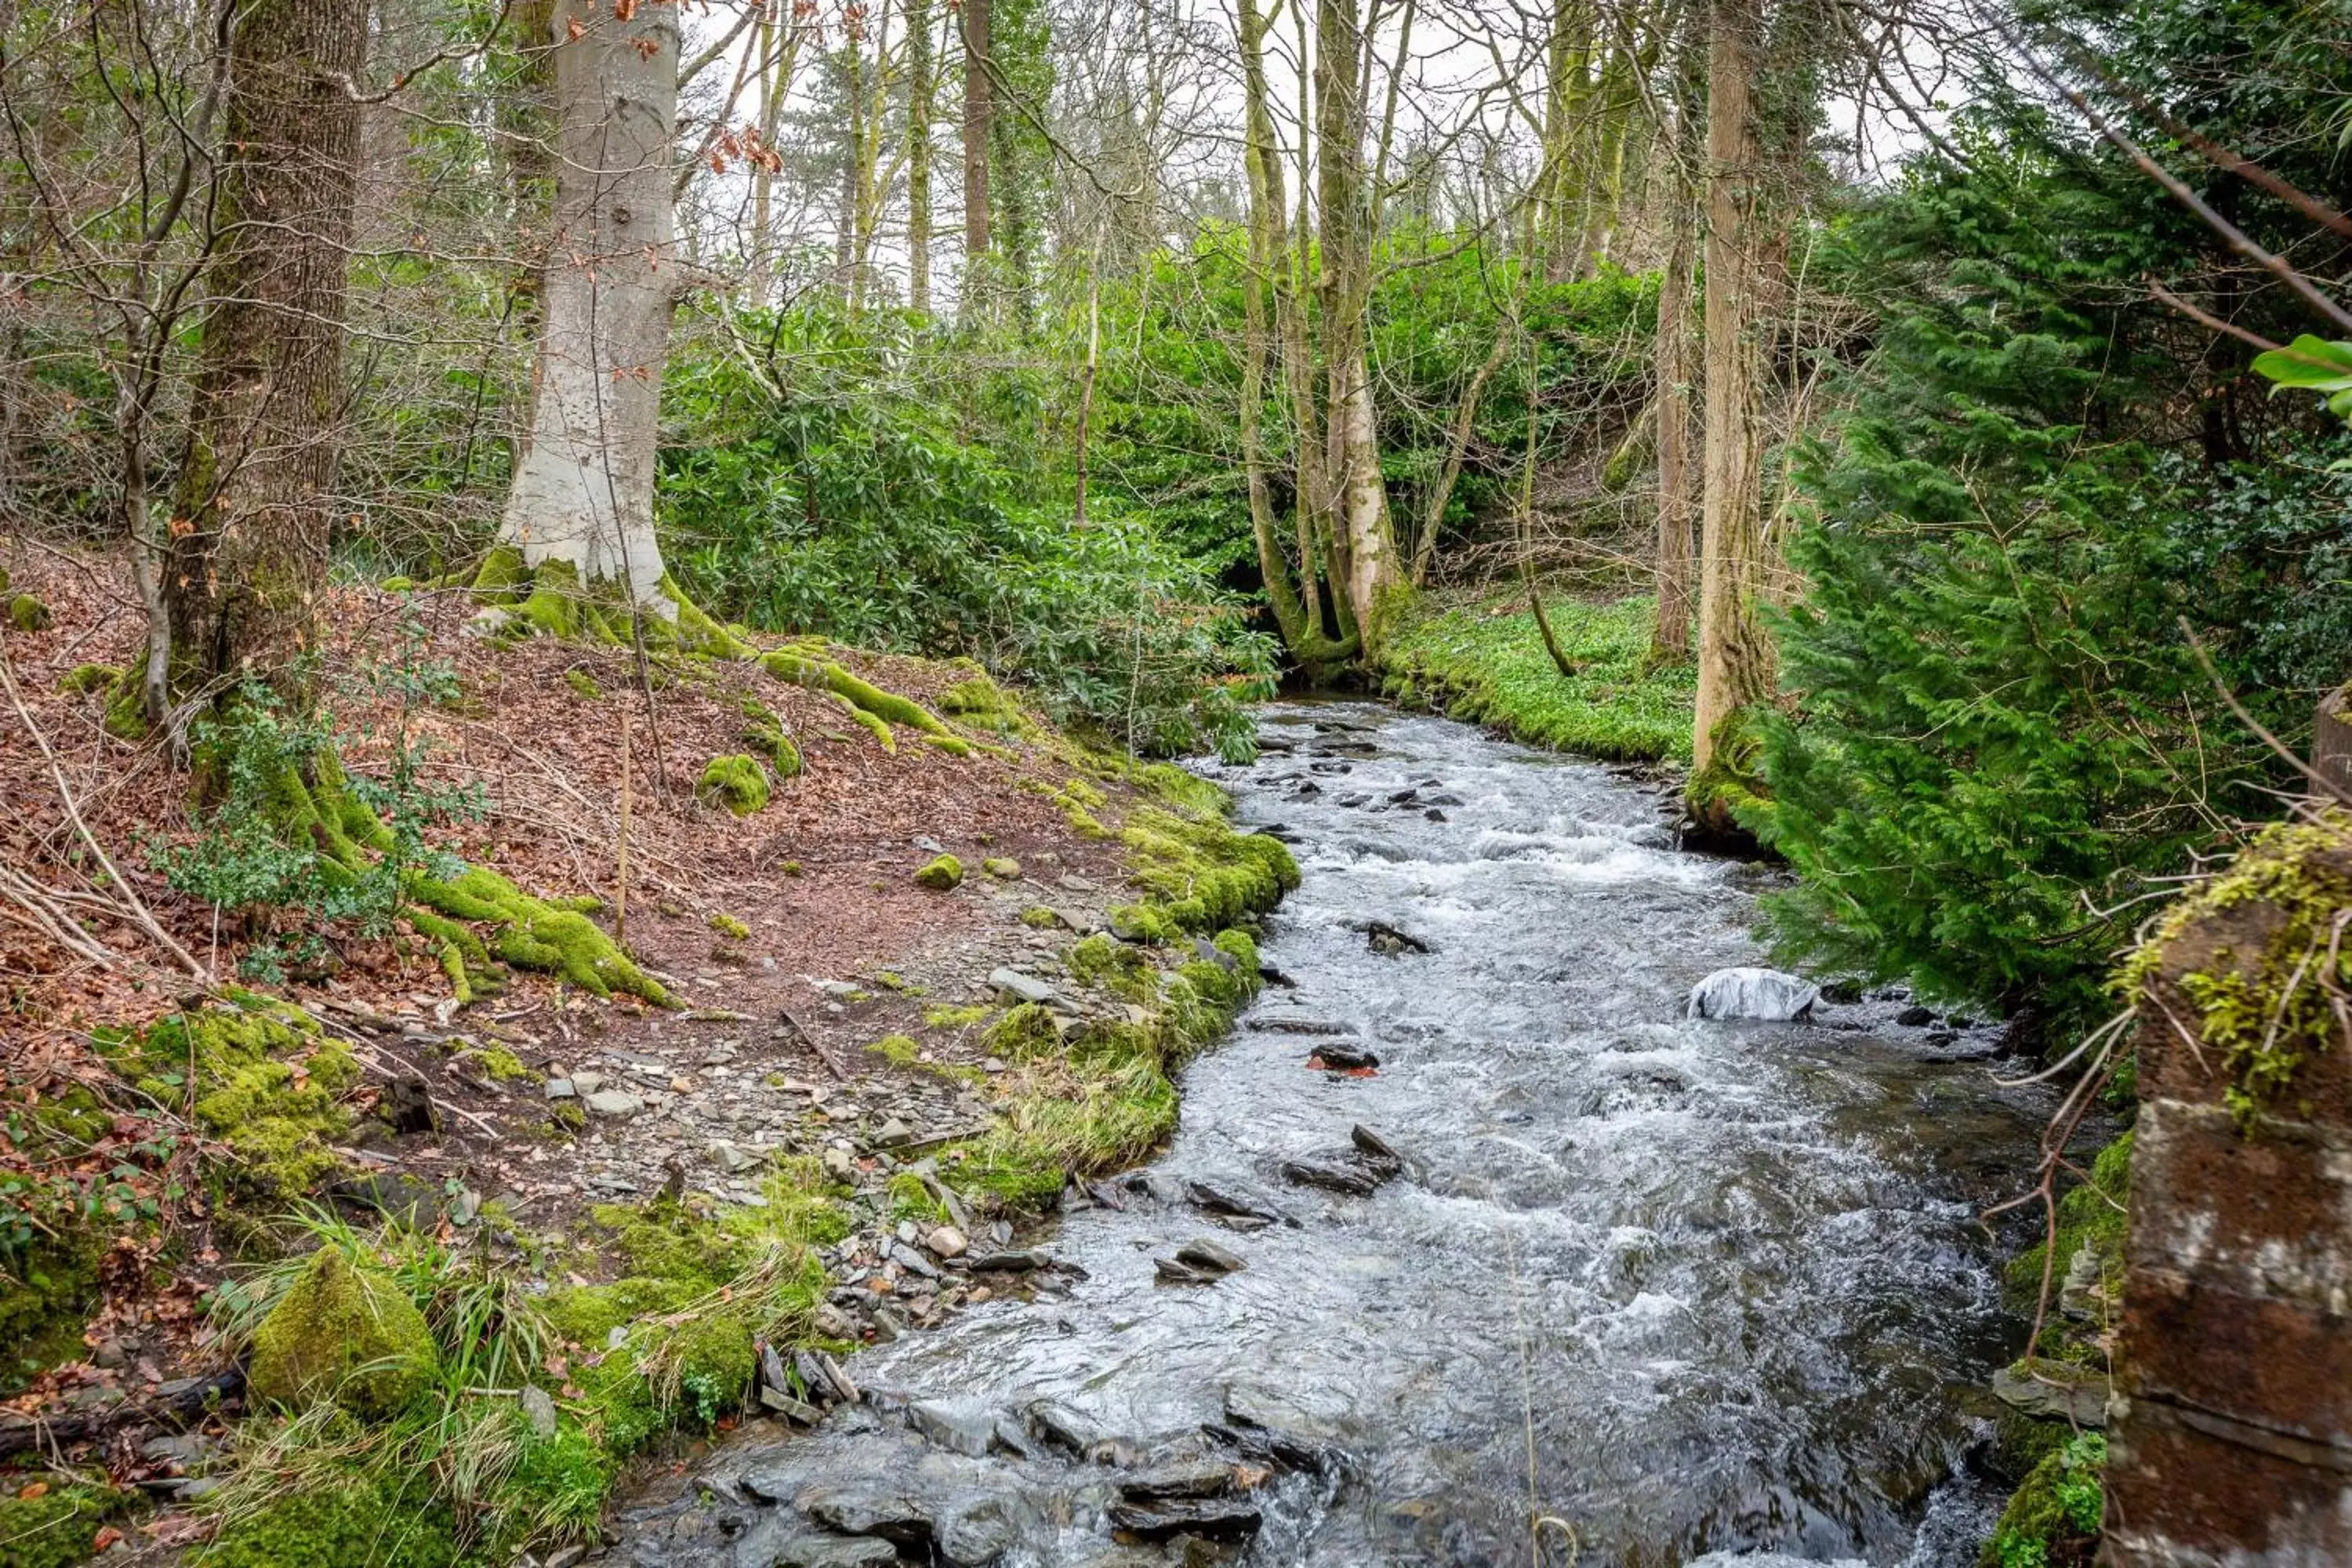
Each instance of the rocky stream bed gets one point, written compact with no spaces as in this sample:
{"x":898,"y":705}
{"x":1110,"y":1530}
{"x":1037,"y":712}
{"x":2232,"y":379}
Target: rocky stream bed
{"x":1472,"y":1248}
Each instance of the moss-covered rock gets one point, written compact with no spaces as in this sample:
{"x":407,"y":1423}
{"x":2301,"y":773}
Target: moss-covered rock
{"x":27,"y":614}
{"x":1002,"y":866}
{"x":2052,"y":1520}
{"x":727,"y":926}
{"x":735,"y":782}
{"x":345,"y":1334}
{"x":1200,"y":875}
{"x":269,"y":1086}
{"x":941,"y":875}
{"x":2266,"y":1003}
{"x":84,"y":678}
{"x":583,"y":684}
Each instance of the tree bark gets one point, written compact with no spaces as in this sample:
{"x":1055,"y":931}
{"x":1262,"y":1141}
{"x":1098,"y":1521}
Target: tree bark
{"x":1360,"y":536}
{"x":583,"y":493}
{"x":979,"y":99}
{"x":1457,"y":448}
{"x":1670,"y":644}
{"x":1735,"y":653}
{"x":918,"y":156}
{"x":248,"y":536}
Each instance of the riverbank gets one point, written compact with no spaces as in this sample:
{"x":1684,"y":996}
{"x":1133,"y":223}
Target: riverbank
{"x":1628,"y":1270}
{"x":901,"y":959}
{"x":1480,"y":657}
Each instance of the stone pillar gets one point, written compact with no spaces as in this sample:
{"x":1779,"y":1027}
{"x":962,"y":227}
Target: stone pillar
{"x":2232,"y":1442}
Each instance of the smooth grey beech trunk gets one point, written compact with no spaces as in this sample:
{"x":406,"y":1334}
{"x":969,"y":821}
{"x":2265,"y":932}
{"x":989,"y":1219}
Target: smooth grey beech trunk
{"x":584,"y":491}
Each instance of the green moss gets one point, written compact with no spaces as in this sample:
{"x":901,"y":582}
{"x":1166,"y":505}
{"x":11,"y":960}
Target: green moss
{"x":1203,"y":875}
{"x":873,"y":724}
{"x":2264,"y":1012}
{"x":727,"y":925}
{"x":875,"y":709}
{"x":1729,"y":792}
{"x":1037,"y":917}
{"x":1024,"y":1033}
{"x":27,"y":614}
{"x":945,"y":1016}
{"x":47,"y":1291}
{"x":2052,"y":1520}
{"x":912,"y":1199}
{"x":899,"y":1050}
{"x":1483,"y":661}
{"x":502,"y":1065}
{"x":84,"y":678}
{"x":556,"y":604}
{"x":735,"y":782}
{"x":583,"y":683}
{"x":345,"y":1334}
{"x":2091,"y":1217}
{"x":535,"y":934}
{"x":793,"y":869}
{"x":1114,"y":965}
{"x":126,"y":707}
{"x":269,"y":1086}
{"x":565,"y":1480}
{"x":1002,"y":866}
{"x":57,"y":1528}
{"x":978,"y":700}
{"x":501,"y":576}
{"x":941,"y":875}
{"x":357,"y":1518}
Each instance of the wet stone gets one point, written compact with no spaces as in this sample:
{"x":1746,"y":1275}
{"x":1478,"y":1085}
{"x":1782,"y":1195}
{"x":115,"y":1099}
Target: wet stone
{"x":1217,"y":1518}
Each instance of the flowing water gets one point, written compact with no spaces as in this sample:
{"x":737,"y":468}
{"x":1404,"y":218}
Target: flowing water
{"x":1674,"y":1287}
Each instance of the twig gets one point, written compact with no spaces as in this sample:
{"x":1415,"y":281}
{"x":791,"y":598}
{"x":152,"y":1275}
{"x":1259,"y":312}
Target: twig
{"x":65,"y":795}
{"x":823,"y":1053}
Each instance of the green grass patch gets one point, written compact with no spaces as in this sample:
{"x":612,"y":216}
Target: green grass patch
{"x":1473,"y":664}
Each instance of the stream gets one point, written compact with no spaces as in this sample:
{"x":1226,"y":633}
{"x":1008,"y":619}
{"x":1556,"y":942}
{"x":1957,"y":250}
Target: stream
{"x":1681,"y":1291}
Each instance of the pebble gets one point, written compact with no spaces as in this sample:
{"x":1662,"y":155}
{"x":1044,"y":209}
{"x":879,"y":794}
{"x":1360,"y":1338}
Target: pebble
{"x":947,"y":1241}
{"x":560,"y":1088}
{"x":587,"y":1083}
{"x":615,"y":1103}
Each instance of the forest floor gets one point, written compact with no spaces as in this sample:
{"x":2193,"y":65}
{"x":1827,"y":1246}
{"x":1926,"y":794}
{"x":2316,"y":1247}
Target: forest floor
{"x":842,"y":1038}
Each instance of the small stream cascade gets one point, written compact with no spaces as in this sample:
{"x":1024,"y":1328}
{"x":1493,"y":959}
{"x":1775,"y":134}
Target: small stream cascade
{"x":1638,"y":1287}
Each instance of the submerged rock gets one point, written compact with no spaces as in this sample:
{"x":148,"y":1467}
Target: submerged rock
{"x":1222,"y":1519}
{"x":1751,"y":993}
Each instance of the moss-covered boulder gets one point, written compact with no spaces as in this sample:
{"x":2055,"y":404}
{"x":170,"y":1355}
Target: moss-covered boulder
{"x":942,"y":874}
{"x":736,"y":782}
{"x":27,"y":614}
{"x":84,"y":678}
{"x":346,"y":1334}
{"x":1002,"y":866}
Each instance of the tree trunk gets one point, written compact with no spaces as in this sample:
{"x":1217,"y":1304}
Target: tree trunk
{"x":1364,"y":552}
{"x":1457,"y":448}
{"x":775,"y":74}
{"x":1735,"y":653}
{"x":979,"y":97}
{"x":583,"y":495}
{"x":1670,"y":644}
{"x":248,"y":553}
{"x":918,"y":156}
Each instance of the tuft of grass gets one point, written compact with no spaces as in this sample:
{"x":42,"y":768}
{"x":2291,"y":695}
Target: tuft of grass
{"x":1483,"y":661}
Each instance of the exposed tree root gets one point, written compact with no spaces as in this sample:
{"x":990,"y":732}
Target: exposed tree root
{"x":526,"y":933}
